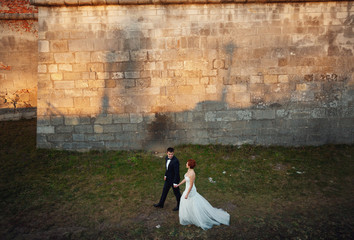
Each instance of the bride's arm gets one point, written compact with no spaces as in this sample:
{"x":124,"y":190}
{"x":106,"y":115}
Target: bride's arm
{"x":183,"y":181}
{"x":190,"y":185}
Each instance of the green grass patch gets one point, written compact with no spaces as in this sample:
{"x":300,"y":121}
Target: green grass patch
{"x":270,"y":192}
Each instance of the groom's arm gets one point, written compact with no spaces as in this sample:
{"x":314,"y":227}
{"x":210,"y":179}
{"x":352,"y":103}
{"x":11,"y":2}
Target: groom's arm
{"x":176,"y":170}
{"x":164,"y":178}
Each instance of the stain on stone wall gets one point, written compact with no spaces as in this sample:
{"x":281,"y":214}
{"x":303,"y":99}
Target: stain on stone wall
{"x":4,"y":67}
{"x":17,"y":6}
{"x":159,"y":130}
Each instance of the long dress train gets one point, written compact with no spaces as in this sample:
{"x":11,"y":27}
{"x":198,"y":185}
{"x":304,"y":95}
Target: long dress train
{"x":198,"y":211}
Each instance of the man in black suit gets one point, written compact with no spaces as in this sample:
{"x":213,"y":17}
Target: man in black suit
{"x":171,"y":178}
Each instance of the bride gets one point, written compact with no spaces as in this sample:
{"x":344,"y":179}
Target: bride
{"x":194,"y":208}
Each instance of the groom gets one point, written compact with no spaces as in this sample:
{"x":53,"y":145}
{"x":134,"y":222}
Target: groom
{"x":171,"y":178}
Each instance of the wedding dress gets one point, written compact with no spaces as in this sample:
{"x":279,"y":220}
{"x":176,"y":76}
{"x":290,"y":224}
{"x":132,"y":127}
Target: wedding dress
{"x":198,"y":211}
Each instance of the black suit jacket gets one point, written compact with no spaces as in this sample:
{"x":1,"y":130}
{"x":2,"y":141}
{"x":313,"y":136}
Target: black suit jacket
{"x":172,"y":173}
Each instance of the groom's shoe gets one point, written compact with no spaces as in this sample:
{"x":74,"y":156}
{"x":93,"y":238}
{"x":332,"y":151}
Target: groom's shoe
{"x":175,"y":209}
{"x":158,"y":205}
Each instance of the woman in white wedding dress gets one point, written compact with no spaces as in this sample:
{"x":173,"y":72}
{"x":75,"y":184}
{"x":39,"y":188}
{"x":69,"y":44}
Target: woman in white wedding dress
{"x":194,"y":208}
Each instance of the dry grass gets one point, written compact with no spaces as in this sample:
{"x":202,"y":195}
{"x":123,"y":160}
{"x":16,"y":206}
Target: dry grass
{"x":270,"y":192}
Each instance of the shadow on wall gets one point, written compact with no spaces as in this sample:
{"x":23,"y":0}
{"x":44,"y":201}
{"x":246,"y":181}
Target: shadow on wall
{"x":13,"y":114}
{"x":213,"y":122}
{"x":209,"y":122}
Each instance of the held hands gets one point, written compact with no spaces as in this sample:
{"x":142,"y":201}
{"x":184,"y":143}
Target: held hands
{"x":164,"y":178}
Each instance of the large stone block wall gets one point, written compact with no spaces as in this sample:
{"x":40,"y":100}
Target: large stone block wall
{"x":18,"y":59}
{"x":151,"y":76}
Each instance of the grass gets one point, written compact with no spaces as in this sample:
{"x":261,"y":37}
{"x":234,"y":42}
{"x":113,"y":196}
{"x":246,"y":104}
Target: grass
{"x":270,"y":192}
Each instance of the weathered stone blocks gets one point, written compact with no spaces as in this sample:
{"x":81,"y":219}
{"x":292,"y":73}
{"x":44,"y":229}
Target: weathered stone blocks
{"x":45,"y":129}
{"x":193,"y":74}
{"x":43,"y":46}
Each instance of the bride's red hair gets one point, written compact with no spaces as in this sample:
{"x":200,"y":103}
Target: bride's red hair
{"x":191,"y":163}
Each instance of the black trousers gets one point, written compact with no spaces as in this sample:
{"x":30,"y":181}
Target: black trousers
{"x":166,"y":188}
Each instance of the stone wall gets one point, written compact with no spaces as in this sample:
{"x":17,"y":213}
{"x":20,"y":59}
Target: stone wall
{"x":151,"y":76}
{"x":18,"y":59}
